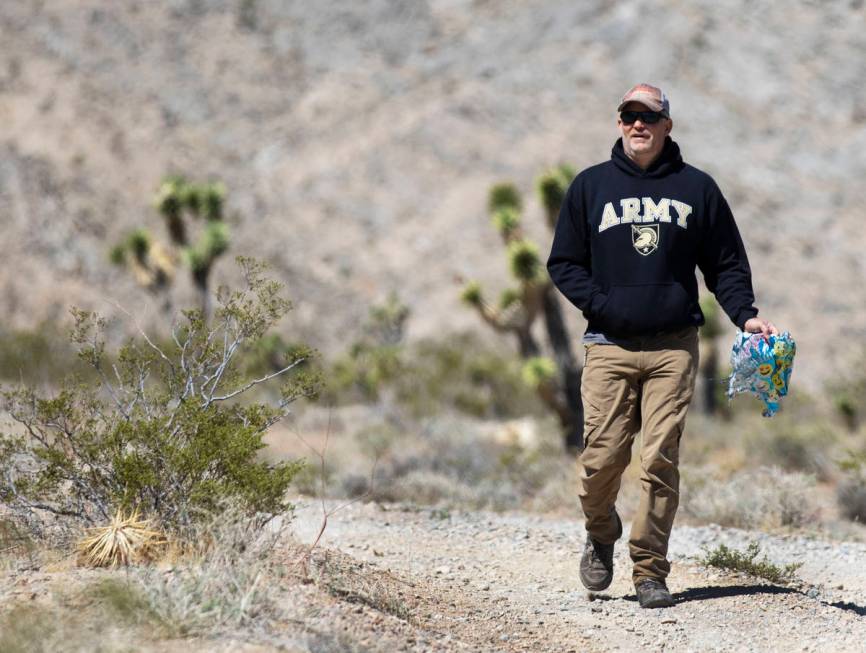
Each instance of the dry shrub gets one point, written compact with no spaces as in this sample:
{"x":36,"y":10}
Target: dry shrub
{"x":125,"y":540}
{"x":464,"y":462}
{"x":851,"y":497}
{"x":766,"y":497}
{"x":224,"y":577}
{"x":794,"y":446}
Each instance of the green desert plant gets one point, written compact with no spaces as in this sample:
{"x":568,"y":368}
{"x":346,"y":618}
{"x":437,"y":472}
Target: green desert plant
{"x":847,"y":409}
{"x":504,"y":196}
{"x":711,"y":382}
{"x":551,"y":187}
{"x":851,"y":497}
{"x":167,"y":432}
{"x":534,"y":299}
{"x":847,"y":392}
{"x":150,"y":263}
{"x":506,"y":220}
{"x":37,"y":355}
{"x":723,"y":557}
{"x":460,"y":372}
{"x":377,"y":359}
{"x":851,"y":489}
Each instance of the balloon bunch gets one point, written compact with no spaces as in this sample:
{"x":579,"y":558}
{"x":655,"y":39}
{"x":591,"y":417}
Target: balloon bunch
{"x":762,"y":367}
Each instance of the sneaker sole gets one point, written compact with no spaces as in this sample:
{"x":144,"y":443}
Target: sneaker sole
{"x":663,"y":603}
{"x":596,"y":588}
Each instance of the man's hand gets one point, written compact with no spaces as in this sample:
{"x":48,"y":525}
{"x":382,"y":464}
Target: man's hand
{"x":762,"y":326}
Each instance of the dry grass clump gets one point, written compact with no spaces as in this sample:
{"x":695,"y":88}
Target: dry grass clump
{"x":14,"y":541}
{"x":28,"y":630}
{"x":224,"y":579}
{"x":351,"y":580}
{"x":766,"y":497}
{"x":851,"y":497}
{"x":804,"y":447}
{"x":127,"y":539}
{"x":467,"y":463}
{"x":82,"y":627}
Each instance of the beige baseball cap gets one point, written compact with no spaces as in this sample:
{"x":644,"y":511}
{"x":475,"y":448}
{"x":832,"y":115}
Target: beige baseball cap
{"x":651,"y":96}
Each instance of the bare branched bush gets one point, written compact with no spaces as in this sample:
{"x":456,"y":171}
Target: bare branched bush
{"x":165,"y":430}
{"x":766,"y":497}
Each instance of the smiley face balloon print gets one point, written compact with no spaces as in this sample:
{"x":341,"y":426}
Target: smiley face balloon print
{"x":762,"y":367}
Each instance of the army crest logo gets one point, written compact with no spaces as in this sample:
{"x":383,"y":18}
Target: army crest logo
{"x":645,"y":238}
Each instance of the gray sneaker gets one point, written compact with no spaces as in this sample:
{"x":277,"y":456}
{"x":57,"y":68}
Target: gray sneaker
{"x":596,"y":565}
{"x":653,"y":593}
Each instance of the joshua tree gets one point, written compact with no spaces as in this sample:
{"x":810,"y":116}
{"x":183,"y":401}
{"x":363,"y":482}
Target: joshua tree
{"x":557,"y":381}
{"x":178,"y":200}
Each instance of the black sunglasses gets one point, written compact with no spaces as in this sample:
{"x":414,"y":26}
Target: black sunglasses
{"x":646,"y":117}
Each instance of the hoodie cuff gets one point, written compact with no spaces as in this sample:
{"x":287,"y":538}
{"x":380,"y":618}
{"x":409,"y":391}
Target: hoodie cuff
{"x":744,"y":316}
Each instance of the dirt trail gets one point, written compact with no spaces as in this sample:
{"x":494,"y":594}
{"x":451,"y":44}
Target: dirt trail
{"x":508,"y":582}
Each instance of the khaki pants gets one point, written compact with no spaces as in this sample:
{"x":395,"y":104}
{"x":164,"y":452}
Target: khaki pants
{"x":646,"y":385}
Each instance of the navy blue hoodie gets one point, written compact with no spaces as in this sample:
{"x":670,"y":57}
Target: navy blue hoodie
{"x":628,"y":240}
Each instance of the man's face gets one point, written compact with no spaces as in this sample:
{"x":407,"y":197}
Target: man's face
{"x":641,"y":140}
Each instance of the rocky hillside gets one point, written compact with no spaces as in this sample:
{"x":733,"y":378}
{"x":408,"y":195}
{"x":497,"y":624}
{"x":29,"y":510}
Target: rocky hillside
{"x":358,"y":141}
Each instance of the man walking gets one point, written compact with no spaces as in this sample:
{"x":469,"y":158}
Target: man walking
{"x":629,"y":236}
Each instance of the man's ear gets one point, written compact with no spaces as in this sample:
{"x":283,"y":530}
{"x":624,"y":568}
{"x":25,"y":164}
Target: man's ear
{"x":670,"y":127}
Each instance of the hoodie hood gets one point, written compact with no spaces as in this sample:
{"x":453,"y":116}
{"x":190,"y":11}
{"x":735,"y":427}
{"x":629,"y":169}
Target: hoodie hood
{"x":667,"y":162}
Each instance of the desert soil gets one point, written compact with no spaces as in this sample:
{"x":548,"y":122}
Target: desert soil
{"x":508,"y":582}
{"x":387,"y":578}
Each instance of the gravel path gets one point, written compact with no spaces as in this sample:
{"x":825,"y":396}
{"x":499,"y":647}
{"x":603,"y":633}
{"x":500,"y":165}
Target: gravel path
{"x":508,"y":582}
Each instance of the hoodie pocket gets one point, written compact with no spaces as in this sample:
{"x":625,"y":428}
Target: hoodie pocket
{"x":646,"y":309}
